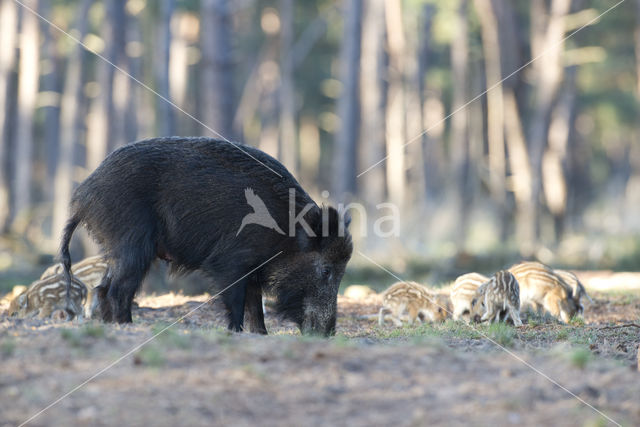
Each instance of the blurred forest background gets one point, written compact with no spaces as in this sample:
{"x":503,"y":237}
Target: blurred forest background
{"x":546,"y":164}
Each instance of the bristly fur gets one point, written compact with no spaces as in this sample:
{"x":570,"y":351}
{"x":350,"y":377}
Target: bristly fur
{"x":578,"y":290}
{"x":497,"y":299}
{"x":182,"y":200}
{"x":50,"y":294}
{"x":89,"y":271}
{"x":419,"y":302}
{"x":541,"y":287}
{"x":463,"y":291}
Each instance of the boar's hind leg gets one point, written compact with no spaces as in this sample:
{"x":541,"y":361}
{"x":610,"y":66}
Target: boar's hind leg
{"x":128,"y":272}
{"x":253,"y":307}
{"x":100,"y":306}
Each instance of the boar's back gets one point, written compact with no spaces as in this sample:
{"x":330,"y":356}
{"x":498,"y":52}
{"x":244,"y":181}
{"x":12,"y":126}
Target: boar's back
{"x":187,"y":195}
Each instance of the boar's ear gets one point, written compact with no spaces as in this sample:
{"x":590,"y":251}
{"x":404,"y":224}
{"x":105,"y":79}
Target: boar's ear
{"x":325,"y":223}
{"x":347,"y":220}
{"x":307,"y":242}
{"x":333,"y":223}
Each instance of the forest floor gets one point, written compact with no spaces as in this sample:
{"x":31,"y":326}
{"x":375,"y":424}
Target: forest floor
{"x":196,"y":373}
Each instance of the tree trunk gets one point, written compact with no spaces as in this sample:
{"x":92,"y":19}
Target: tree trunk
{"x":165,"y":115}
{"x":122,"y":83}
{"x":520,"y":169}
{"x":250,"y":98}
{"x":459,"y":122}
{"x":27,"y":95}
{"x":134,"y":66}
{"x":8,"y":36}
{"x":477,"y":137}
{"x":548,"y":72}
{"x":395,"y":114}
{"x":310,"y":156}
{"x":433,"y":160}
{"x":372,"y":131}
{"x":288,"y":145}
{"x":50,"y":103}
{"x":179,"y":65}
{"x":345,"y":146}
{"x":71,"y":125}
{"x":416,"y":67}
{"x":269,"y":75}
{"x":633,"y":185}
{"x":518,"y":159}
{"x":217,"y":68}
{"x":553,"y":171}
{"x":102,"y":130}
{"x":495,"y":108}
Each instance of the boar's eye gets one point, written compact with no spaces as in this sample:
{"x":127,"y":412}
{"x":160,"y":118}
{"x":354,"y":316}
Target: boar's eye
{"x":474,"y":301}
{"x":326,"y":272}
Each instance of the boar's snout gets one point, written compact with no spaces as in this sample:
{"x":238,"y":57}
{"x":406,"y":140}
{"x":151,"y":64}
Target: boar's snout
{"x":319,"y":321}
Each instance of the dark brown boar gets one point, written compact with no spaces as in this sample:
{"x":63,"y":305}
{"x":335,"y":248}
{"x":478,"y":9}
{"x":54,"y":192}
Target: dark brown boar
{"x":204,"y":204}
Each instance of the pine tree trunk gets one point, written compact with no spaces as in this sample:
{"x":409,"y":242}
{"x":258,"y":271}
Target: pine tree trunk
{"x":633,"y":186}
{"x":372,"y":180}
{"x":345,"y":146}
{"x":217,"y":68}
{"x":134,"y":95}
{"x":8,"y":37}
{"x":71,"y":125}
{"x":179,"y":68}
{"x":553,"y":162}
{"x":165,"y":110}
{"x":548,"y":71}
{"x":459,"y":122}
{"x":518,"y":159}
{"x":495,"y":108}
{"x":520,"y":167}
{"x":416,"y":67}
{"x":433,"y":160}
{"x":101,"y":126}
{"x":268,"y":104}
{"x":122,"y":83}
{"x":288,"y":144}
{"x":395,"y":114}
{"x":50,"y":92}
{"x":27,"y":95}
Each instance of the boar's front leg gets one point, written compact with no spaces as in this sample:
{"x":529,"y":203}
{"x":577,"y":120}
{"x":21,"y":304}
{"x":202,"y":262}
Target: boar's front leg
{"x":253,"y":307}
{"x":233,"y":299}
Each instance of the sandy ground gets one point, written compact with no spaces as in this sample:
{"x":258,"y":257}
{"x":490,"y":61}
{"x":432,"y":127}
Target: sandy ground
{"x":198,"y":374}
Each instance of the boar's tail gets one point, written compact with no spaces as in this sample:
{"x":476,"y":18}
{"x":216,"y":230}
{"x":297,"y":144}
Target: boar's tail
{"x":65,"y":257}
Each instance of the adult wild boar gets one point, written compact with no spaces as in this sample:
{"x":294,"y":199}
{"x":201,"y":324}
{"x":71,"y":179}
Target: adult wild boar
{"x":204,"y":204}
